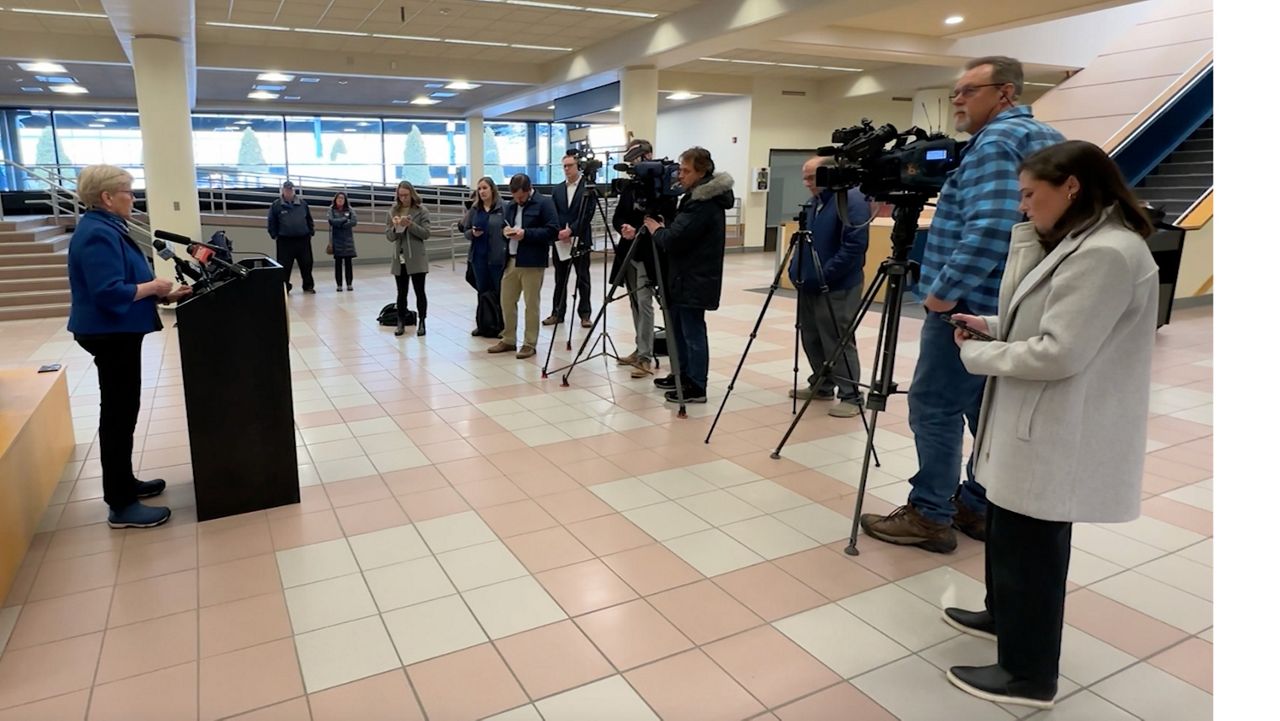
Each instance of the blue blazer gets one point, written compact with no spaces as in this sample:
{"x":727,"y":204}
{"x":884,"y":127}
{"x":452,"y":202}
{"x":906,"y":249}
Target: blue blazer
{"x":105,"y":267}
{"x":569,"y":213}
{"x":541,"y":226}
{"x":841,"y":249}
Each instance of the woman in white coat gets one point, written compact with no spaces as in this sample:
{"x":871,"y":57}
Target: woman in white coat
{"x":1062,"y":432}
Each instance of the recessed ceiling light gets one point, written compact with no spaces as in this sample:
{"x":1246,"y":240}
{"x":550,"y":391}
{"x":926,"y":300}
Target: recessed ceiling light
{"x":348,"y":130}
{"x":485,"y":43}
{"x":843,"y":70}
{"x":32,"y":90}
{"x":66,"y":13}
{"x":954,"y":20}
{"x":243,"y":122}
{"x":275,"y":77}
{"x":420,"y":38}
{"x":269,"y":88}
{"x":319,"y":31}
{"x":308,"y":80}
{"x":551,"y":107}
{"x":441,"y":94}
{"x":263,"y":95}
{"x":244,"y":26}
{"x":364,"y":123}
{"x":554,"y":48}
{"x":293,"y":97}
{"x":104,"y":120}
{"x":96,"y":125}
{"x":42,"y":67}
{"x":683,"y":95}
{"x":624,"y":13}
{"x":616,"y":109}
{"x":69,"y":89}
{"x":342,"y":82}
{"x":423,"y":100}
{"x":462,"y":85}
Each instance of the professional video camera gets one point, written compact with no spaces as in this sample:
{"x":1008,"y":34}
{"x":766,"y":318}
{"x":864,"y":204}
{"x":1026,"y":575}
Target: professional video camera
{"x":649,"y":180}
{"x":587,"y":163}
{"x":916,"y":164}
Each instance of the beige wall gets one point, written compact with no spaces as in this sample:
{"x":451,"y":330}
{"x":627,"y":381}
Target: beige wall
{"x":1195,"y":275}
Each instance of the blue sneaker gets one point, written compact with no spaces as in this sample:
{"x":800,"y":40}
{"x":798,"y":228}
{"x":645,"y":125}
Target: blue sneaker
{"x":147,"y":489}
{"x":136,"y":515}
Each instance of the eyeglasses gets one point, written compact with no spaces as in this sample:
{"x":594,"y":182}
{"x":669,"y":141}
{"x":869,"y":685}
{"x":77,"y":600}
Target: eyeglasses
{"x":969,"y":91}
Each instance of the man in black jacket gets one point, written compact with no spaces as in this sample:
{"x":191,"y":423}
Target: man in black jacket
{"x":290,"y":225}
{"x":531,"y":226}
{"x":694,"y":243}
{"x":576,"y":212}
{"x":639,"y":275}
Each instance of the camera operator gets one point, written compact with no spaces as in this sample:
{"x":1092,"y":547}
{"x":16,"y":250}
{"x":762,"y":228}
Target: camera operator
{"x":963,"y":263}
{"x":639,"y":275}
{"x":694,"y":243}
{"x":841,"y":250}
{"x":570,"y":198}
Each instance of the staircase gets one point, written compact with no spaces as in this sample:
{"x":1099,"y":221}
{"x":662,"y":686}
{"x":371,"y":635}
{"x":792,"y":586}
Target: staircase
{"x":1183,"y":176}
{"x":33,"y":269}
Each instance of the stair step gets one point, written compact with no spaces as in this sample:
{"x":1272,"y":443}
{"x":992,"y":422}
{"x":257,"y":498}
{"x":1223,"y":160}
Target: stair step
{"x":46,"y":310}
{"x":33,"y":272}
{"x":1171,"y":194}
{"x":52,"y":245}
{"x":1196,"y":144}
{"x":1190,"y":156}
{"x":15,"y":260}
{"x":27,"y":235}
{"x":1175,"y":168}
{"x":23,"y":222}
{"x":1171,"y":180}
{"x":35,"y":297}
{"x":26,"y":285}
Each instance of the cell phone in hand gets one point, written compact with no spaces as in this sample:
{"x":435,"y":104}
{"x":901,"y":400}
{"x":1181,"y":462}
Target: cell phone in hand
{"x":957,"y":323}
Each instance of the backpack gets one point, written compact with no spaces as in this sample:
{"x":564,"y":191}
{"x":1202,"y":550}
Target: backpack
{"x":387,"y":316}
{"x":489,"y":315}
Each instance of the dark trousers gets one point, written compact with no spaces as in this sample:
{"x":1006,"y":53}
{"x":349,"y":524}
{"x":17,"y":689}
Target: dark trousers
{"x":419,"y":291}
{"x":820,"y":336}
{"x":581,"y":267}
{"x":691,"y":344}
{"x":289,"y":249}
{"x":1026,"y":574}
{"x":338,"y":265}
{"x":118,"y":357}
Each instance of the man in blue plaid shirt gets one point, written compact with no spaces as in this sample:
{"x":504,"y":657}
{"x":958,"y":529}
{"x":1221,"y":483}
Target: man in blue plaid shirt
{"x":963,"y":263}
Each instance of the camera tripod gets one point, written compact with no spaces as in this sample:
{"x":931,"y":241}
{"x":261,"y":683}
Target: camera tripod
{"x":801,"y":247}
{"x":604,"y":341}
{"x":590,"y":195}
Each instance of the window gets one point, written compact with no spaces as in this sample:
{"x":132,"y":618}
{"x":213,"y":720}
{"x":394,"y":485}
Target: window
{"x":425,"y":152}
{"x":506,"y":151}
{"x":244,"y":151}
{"x":87,"y":137}
{"x":26,"y":138}
{"x":345,"y":149}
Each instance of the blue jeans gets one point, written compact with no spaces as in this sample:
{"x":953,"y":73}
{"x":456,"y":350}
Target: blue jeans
{"x":943,"y":395}
{"x":691,"y":344}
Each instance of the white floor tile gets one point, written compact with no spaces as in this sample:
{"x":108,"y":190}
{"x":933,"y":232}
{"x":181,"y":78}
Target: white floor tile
{"x":713,"y":552}
{"x":335,"y":450}
{"x":1158,"y":600}
{"x":398,"y":460}
{"x":1086,"y":660}
{"x":585,"y":702}
{"x":345,"y":469}
{"x":329,"y":602}
{"x":1113,"y":547}
{"x":913,"y":690}
{"x":817,"y":522}
{"x":665,"y":520}
{"x":316,"y":562}
{"x":389,"y":441}
{"x":768,"y":496}
{"x":844,"y":642}
{"x":1181,"y":573}
{"x":541,"y":435}
{"x":946,"y":587}
{"x":1157,"y":533}
{"x":325,"y":434}
{"x":723,"y":473}
{"x":1084,"y":706}
{"x":627,"y":493}
{"x":1193,"y":495}
{"x":481,"y":565}
{"x":769,"y":537}
{"x":388,"y":546}
{"x":895,"y":494}
{"x":585,"y":428}
{"x":339,"y":654}
{"x":372,"y":426}
{"x":720,"y":507}
{"x":676,"y":483}
{"x":405,"y":584}
{"x":1149,"y":693}
{"x":901,"y":615}
{"x":519,"y":420}
{"x":811,"y":455}
{"x":458,"y":530}
{"x":1086,"y":568}
{"x":432,"y":629}
{"x":513,"y":606}
{"x":559,"y":414}
{"x":850,"y":474}
{"x":1201,"y":553}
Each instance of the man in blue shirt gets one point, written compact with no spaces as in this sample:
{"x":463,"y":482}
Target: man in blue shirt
{"x":290,"y":225}
{"x":963,"y":263}
{"x":841,"y":251}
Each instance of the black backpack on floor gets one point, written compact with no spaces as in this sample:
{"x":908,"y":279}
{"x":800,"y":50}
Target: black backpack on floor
{"x":489,"y":315}
{"x":387,"y":316}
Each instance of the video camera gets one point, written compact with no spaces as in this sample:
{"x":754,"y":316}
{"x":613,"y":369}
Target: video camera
{"x":915,"y":166}
{"x":587,"y":163}
{"x":649,"y":181}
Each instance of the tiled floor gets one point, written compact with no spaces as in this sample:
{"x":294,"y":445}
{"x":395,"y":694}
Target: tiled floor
{"x":477,"y":542}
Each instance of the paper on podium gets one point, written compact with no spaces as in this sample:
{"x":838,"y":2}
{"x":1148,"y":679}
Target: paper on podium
{"x":564,"y":249}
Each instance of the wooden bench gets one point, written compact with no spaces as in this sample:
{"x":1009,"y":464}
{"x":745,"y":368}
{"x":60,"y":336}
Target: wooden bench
{"x":36,"y":441}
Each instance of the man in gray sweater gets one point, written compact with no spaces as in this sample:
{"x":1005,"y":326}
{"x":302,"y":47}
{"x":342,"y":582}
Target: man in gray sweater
{"x":290,"y":225}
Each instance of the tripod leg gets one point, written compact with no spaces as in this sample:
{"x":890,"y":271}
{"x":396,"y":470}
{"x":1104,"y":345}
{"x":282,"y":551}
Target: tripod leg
{"x":672,"y":328}
{"x":755,"y":330}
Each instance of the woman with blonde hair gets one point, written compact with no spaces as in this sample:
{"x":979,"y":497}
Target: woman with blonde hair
{"x":113,"y":306}
{"x":408,"y":228}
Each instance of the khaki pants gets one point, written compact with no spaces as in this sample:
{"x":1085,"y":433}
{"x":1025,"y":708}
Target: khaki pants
{"x":517,"y":282}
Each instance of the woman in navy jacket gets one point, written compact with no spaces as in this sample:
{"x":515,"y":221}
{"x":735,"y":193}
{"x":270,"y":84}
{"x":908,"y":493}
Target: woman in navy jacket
{"x":113,"y":305}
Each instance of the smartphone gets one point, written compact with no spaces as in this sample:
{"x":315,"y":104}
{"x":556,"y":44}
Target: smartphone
{"x":956,"y":323}
{"x":50,"y":368}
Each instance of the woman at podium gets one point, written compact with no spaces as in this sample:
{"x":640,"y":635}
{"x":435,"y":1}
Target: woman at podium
{"x":113,"y":306}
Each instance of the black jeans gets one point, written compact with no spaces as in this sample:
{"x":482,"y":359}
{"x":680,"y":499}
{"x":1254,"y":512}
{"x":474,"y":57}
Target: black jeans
{"x":1026,"y":571}
{"x":419,"y":291}
{"x":581,"y":267}
{"x":338,"y":265}
{"x":118,"y":357}
{"x":290,"y":249}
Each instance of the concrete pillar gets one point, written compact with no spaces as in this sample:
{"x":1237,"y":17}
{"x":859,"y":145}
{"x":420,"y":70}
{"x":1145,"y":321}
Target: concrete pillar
{"x":475,"y":149}
{"x":164,"y":110}
{"x":640,"y":106}
{"x":931,"y":110}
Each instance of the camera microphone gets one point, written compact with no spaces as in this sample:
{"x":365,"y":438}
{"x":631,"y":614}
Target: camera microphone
{"x":205,"y":254}
{"x":184,"y":268}
{"x":184,"y":240}
{"x":826,"y":151}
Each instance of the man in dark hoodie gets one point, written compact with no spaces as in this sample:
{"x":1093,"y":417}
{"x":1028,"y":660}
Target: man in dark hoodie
{"x":694,"y":243}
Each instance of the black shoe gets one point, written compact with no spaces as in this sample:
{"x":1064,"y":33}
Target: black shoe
{"x":309,"y":290}
{"x":147,"y":489}
{"x":339,"y":289}
{"x":692,"y":394}
{"x":974,"y":623}
{"x":968,"y":521}
{"x":667,"y":383}
{"x":400,"y":327}
{"x":422,"y":329}
{"x":993,"y":683}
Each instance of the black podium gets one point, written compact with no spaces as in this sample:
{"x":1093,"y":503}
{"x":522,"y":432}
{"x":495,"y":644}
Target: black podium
{"x":234,"y":341}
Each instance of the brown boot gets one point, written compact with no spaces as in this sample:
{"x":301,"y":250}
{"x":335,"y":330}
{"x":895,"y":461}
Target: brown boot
{"x":501,"y":347}
{"x":906,"y":527}
{"x":969,"y":522}
{"x":629,"y":360}
{"x":526,"y":351}
{"x":642,"y":368}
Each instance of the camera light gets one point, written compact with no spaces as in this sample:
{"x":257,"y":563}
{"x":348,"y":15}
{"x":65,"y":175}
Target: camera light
{"x":683,"y":95}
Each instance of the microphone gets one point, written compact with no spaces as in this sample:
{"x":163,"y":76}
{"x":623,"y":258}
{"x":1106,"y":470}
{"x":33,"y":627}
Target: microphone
{"x":205,"y":254}
{"x":825,"y":151}
{"x":185,"y":269}
{"x":183,"y":240}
